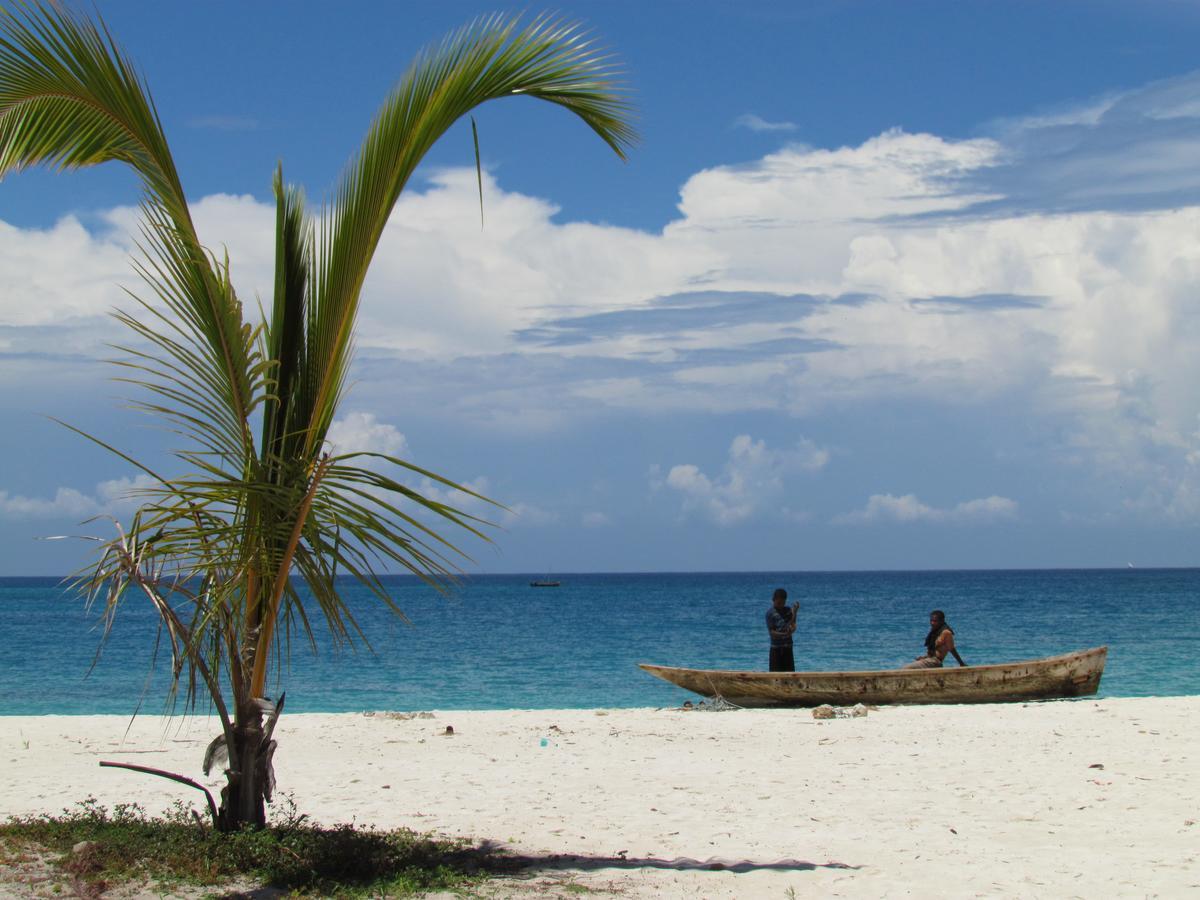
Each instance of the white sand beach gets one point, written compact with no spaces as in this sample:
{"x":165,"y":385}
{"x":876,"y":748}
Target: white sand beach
{"x":1083,"y":798}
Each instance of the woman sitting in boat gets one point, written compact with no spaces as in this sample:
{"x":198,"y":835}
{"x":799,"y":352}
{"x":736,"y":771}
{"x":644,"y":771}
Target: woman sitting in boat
{"x":938,"y":643}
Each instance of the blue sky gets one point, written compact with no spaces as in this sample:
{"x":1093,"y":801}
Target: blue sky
{"x":884,"y":285}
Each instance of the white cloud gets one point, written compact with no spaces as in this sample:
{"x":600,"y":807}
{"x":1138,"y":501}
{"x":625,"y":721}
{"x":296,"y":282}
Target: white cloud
{"x":1088,"y":113}
{"x":527,"y":515}
{"x":907,"y":508}
{"x":894,"y":174}
{"x":65,"y":502}
{"x":124,"y":491}
{"x":752,"y":480}
{"x":595,"y":520}
{"x":441,"y":286}
{"x":758,"y":123}
{"x":112,"y":497}
{"x":57,"y":288}
{"x":362,"y":432}
{"x":458,"y":499}
{"x":1102,"y":352}
{"x":61,"y":275}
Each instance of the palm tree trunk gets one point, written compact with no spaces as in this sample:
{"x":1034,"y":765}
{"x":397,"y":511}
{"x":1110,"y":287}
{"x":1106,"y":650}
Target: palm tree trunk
{"x":243,"y":799}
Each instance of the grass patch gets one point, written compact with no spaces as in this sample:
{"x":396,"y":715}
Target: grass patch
{"x":126,"y":846}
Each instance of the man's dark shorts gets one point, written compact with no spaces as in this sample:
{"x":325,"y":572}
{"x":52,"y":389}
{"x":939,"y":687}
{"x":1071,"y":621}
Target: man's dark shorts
{"x":782,"y":660}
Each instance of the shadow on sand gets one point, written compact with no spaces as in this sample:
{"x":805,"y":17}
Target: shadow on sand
{"x":493,"y":859}
{"x":526,"y":863}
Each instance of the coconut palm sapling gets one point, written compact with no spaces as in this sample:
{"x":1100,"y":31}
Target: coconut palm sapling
{"x":261,"y":502}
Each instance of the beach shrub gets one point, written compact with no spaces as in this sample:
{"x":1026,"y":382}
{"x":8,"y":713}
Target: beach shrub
{"x":102,"y":848}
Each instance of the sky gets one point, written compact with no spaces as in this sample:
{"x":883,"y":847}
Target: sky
{"x":882,"y":286}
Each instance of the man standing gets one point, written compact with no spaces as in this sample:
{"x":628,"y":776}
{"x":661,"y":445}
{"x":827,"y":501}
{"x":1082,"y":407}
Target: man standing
{"x":781,"y":623}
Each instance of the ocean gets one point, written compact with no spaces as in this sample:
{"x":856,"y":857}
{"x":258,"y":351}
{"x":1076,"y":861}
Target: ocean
{"x":498,"y":643}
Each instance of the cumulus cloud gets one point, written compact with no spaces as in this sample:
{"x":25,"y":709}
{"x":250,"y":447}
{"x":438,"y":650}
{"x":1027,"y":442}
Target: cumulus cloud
{"x":362,"y":432}
{"x":113,"y":496}
{"x":442,"y":287}
{"x":1051,"y":264}
{"x":752,"y":481}
{"x":57,"y":287}
{"x":65,"y":502}
{"x":907,"y":509}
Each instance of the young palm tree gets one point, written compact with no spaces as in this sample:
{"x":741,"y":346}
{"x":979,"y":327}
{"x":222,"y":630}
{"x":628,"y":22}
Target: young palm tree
{"x":261,"y":504}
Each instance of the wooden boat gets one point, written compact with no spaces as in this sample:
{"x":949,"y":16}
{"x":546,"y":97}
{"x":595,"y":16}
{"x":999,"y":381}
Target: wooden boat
{"x":1070,"y":675}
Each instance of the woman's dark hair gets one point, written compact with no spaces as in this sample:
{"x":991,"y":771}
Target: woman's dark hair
{"x":934,"y":631}
{"x":780,"y":593}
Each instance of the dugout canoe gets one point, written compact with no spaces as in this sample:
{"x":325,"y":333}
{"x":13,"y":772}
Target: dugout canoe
{"x":1069,"y":675}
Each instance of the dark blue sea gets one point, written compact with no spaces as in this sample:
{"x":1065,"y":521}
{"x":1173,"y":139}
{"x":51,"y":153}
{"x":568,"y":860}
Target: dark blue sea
{"x":498,"y":643}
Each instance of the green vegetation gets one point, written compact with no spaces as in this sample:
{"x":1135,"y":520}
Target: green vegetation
{"x":260,"y":501}
{"x":125,"y":846}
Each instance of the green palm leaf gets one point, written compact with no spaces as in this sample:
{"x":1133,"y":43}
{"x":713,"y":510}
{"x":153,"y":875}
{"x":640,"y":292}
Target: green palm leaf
{"x":485,"y":61}
{"x":70,"y":99}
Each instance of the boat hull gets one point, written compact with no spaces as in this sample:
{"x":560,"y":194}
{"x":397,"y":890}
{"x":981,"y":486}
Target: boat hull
{"x":1070,"y":675}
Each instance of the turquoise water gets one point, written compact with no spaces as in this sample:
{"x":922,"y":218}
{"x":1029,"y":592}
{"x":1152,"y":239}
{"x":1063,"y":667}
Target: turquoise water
{"x":499,"y":644}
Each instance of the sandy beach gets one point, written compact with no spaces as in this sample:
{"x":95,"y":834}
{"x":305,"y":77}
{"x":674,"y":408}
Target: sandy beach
{"x":1080,"y":798}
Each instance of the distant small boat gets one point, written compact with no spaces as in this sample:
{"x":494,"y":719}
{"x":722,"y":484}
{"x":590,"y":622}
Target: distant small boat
{"x":1070,"y":675}
{"x":545,"y":583}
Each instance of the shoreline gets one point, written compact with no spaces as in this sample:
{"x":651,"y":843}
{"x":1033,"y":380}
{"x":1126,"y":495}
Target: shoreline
{"x":1084,"y":797}
{"x":685,"y":694}
{"x":6,"y":717}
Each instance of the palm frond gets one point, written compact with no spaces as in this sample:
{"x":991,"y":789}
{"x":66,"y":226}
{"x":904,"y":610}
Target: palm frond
{"x":69,"y":98}
{"x":490,"y":59}
{"x":286,"y":328}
